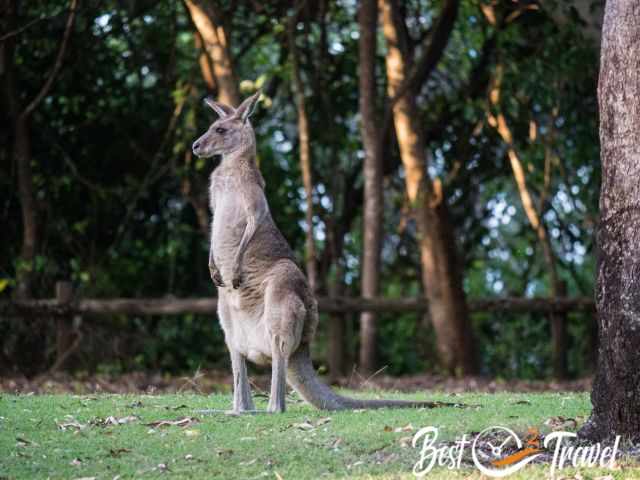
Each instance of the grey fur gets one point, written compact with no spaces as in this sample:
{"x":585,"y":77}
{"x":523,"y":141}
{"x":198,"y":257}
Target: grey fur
{"x":266,"y":308}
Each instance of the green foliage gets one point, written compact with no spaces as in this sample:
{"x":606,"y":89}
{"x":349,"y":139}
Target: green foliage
{"x":115,"y":182}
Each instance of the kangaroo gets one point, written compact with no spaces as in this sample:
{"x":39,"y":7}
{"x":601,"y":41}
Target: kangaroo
{"x":265,"y":306}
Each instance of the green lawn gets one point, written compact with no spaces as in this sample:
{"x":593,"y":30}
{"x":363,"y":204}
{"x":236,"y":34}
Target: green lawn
{"x":67,"y":436}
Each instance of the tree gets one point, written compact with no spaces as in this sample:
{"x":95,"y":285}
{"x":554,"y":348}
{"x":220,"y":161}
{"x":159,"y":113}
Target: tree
{"x":616,"y":389}
{"x":441,"y":275}
{"x":20,"y":117}
{"x":206,"y":18}
{"x":304,"y":147}
{"x":373,"y":206}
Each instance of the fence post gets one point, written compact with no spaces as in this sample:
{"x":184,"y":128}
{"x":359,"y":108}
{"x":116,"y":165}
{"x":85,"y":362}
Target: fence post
{"x":336,"y":332}
{"x":64,"y":327}
{"x":559,"y":337}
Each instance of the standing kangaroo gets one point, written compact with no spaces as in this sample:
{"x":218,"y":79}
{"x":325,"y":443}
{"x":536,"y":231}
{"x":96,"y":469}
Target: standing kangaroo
{"x":265,"y":306}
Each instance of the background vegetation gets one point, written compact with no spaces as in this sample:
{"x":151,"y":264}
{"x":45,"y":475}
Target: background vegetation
{"x":120,"y":201}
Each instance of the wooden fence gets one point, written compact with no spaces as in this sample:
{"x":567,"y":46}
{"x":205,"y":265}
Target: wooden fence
{"x":66,"y":305}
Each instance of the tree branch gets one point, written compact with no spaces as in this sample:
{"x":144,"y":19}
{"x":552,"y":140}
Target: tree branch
{"x":57,"y":65}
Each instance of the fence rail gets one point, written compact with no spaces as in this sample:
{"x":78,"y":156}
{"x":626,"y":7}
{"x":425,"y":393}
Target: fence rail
{"x":66,"y":305}
{"x":177,"y":306}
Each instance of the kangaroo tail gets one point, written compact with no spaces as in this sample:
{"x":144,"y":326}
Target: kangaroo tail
{"x":303,"y":379}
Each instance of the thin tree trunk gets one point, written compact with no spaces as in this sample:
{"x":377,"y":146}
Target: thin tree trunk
{"x":207,"y":21}
{"x":22,"y":158}
{"x":373,"y":199}
{"x":441,"y":277}
{"x":558,"y":323}
{"x":22,"y":143}
{"x":616,"y":390}
{"x":305,"y":152}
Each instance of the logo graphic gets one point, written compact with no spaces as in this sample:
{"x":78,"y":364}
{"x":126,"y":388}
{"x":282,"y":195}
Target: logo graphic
{"x":498,"y":451}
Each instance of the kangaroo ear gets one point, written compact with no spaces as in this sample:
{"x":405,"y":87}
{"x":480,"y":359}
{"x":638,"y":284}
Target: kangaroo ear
{"x":220,"y":108}
{"x":247,"y":107}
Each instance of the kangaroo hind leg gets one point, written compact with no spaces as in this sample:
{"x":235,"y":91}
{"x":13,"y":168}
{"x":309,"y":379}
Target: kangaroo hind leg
{"x":285,"y":322}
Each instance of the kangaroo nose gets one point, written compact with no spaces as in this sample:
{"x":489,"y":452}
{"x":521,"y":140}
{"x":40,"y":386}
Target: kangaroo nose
{"x":196,"y":145}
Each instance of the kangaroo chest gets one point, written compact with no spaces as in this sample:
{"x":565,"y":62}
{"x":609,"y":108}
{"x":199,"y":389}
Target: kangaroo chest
{"x":229,"y":220}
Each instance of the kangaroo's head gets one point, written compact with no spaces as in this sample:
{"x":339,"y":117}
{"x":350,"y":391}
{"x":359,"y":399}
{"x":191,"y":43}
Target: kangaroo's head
{"x":230,"y":132}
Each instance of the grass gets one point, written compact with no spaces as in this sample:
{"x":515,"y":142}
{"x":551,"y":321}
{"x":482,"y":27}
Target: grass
{"x":70,"y":436}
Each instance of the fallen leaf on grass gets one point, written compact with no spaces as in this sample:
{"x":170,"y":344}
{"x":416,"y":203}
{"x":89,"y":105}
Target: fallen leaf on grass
{"x":387,"y":428}
{"x":188,"y":456}
{"x":75,"y":462}
{"x":309,"y":425}
{"x":406,"y":428}
{"x":111,"y":420}
{"x":73,"y":424}
{"x":224,"y":452}
{"x":115,"y":453}
{"x":278,"y":476}
{"x":23,"y":442}
{"x":405,"y":442}
{"x":191,"y":433}
{"x":306,"y":425}
{"x":180,"y":422}
{"x":335,"y":443}
{"x":86,"y":478}
{"x":561,"y":423}
{"x":249,"y":462}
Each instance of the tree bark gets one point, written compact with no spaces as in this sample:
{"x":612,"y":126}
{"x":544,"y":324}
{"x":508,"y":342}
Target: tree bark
{"x":441,"y":277}
{"x":616,"y":390}
{"x":216,"y":67}
{"x":372,"y":168}
{"x":207,"y":21}
{"x":305,"y":151}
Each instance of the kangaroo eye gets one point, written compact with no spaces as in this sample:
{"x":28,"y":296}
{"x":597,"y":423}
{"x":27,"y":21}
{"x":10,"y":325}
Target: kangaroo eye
{"x":221,"y":130}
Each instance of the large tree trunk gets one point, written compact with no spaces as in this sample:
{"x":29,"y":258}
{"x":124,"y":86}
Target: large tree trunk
{"x":440,"y":272}
{"x":373,"y":199}
{"x":216,"y":67}
{"x":305,"y":151}
{"x":616,"y":390}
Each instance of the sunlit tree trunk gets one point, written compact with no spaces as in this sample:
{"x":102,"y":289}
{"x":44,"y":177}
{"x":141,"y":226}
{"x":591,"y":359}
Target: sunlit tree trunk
{"x":304,"y":145}
{"x":534,"y":216}
{"x":216,"y":67}
{"x":441,"y":277}
{"x":373,"y":199}
{"x":207,"y":20}
{"x":616,"y":390}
